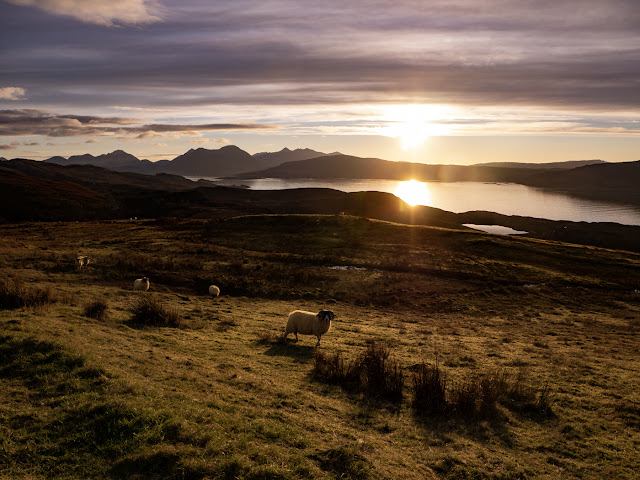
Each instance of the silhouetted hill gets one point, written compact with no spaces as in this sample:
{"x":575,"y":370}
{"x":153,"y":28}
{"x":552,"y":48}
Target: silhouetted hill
{"x":272,"y":159}
{"x":94,"y":176}
{"x":201,"y":162}
{"x":32,"y":190}
{"x":27,"y":197}
{"x":608,"y":181}
{"x":114,"y":160}
{"x":347,"y":166}
{"x":228,"y":160}
{"x":609,"y":175}
{"x":117,"y":160}
{"x":543,"y":166}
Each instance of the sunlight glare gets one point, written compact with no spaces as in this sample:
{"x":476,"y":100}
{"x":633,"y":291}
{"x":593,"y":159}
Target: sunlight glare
{"x":413,"y":192}
{"x":412,"y":125}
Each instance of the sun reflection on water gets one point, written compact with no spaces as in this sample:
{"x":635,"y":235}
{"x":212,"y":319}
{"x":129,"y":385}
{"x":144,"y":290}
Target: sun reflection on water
{"x":413,"y":192}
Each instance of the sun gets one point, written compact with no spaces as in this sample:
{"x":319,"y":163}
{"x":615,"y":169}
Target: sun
{"x":413,"y":192}
{"x":414,"y":124}
{"x":412,"y":134}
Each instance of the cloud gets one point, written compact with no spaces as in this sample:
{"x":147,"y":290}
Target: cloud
{"x":100,"y":12}
{"x":12,"y":93}
{"x":203,"y":141}
{"x":16,"y":144}
{"x":37,"y":122}
{"x":260,"y":57}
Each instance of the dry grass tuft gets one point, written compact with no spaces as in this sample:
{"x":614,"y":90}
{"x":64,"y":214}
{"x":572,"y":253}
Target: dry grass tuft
{"x":148,"y":311}
{"x":96,"y":310}
{"x":374,"y":373}
{"x":14,"y":294}
{"x":429,"y":387}
{"x":381,"y":376}
{"x":478,"y":396}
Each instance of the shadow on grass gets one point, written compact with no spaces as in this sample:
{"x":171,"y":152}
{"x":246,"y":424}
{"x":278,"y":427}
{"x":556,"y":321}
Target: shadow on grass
{"x":78,"y":430}
{"x":345,"y":462}
{"x":46,"y":368}
{"x":494,"y":429}
{"x":293,"y":350}
{"x":164,"y":465}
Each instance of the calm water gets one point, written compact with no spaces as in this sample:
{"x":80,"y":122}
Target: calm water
{"x":504,"y":198}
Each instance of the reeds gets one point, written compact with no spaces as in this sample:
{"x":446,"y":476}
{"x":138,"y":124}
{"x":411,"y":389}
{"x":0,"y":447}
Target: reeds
{"x":14,"y":294}
{"x":374,"y":373}
{"x":148,"y":311}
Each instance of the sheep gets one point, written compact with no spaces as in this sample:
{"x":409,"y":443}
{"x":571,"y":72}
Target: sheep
{"x":82,"y":261}
{"x":214,"y":291}
{"x":141,"y":284}
{"x":309,"y":323}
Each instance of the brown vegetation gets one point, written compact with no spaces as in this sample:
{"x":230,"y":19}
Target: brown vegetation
{"x":536,"y":347}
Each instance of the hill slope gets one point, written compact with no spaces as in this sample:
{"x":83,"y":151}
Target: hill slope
{"x":93,"y":175}
{"x":543,"y":166}
{"x":537,"y":341}
{"x":347,"y":166}
{"x":26,"y":197}
{"x":610,"y":181}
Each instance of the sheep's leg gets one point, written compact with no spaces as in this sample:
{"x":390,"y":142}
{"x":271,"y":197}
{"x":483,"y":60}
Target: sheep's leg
{"x":296,"y":333}
{"x":318,"y":344}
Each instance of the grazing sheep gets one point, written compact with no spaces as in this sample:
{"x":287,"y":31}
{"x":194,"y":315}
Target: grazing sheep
{"x":214,"y":291}
{"x":141,"y":284}
{"x":309,"y":323}
{"x":82,"y":261}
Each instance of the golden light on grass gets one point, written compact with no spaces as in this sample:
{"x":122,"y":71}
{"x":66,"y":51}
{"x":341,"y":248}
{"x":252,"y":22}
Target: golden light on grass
{"x":413,"y":192}
{"x":224,"y":397}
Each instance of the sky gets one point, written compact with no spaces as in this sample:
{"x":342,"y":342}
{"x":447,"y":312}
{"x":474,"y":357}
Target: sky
{"x":433,"y":81}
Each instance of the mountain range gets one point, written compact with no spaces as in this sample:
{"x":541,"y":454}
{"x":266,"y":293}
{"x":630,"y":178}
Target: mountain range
{"x":272,"y":159}
{"x":202,"y":162}
{"x":593,"y":179}
{"x":231,"y":161}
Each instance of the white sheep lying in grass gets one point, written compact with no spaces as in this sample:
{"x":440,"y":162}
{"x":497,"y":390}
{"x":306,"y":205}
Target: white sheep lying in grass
{"x":141,"y":284}
{"x":214,"y":291}
{"x":309,"y":323}
{"x":82,"y":261}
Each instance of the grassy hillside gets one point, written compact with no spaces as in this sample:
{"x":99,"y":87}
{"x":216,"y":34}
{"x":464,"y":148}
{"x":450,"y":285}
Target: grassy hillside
{"x":537,"y":340}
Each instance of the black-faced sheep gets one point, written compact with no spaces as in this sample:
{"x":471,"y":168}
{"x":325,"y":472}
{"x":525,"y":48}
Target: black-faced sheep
{"x":309,"y":323}
{"x":141,"y":284}
{"x":214,"y":291}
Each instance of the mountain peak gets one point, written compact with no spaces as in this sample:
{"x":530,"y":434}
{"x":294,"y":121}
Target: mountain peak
{"x":226,"y":160}
{"x":231,"y":147}
{"x":272,"y":159}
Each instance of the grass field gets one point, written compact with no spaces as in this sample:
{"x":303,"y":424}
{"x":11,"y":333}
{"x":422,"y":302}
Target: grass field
{"x":86,"y":391}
